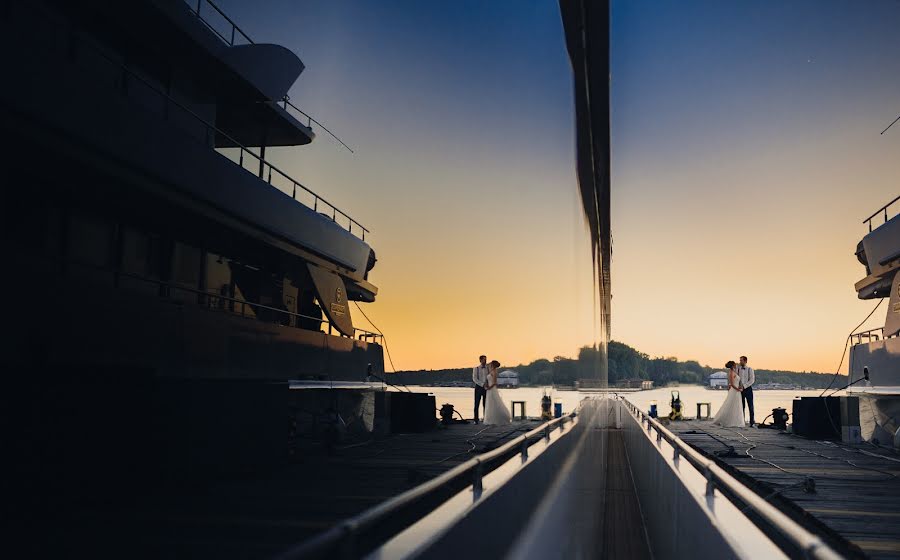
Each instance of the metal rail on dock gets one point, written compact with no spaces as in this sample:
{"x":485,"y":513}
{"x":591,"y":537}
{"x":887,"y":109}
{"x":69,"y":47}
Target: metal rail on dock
{"x":358,"y":535}
{"x":716,"y":477}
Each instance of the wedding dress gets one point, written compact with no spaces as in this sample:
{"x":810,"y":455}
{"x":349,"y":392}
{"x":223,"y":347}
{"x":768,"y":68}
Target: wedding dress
{"x":495,"y":409}
{"x":731,"y":414}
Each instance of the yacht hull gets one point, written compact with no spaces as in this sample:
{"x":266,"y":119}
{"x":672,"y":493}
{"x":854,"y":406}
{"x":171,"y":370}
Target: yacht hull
{"x":879,"y":417}
{"x":879,"y":396}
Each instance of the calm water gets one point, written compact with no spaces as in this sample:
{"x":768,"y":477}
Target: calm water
{"x":463,"y":398}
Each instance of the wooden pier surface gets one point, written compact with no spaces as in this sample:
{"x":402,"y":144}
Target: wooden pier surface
{"x":850,"y":493}
{"x":261,"y":516}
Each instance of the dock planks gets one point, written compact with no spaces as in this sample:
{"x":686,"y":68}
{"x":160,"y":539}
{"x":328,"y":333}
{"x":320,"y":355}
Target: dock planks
{"x":856,"y":498}
{"x":261,"y":516}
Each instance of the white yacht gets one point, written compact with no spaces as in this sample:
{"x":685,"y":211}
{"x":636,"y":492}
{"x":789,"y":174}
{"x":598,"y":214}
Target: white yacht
{"x":875,"y":354}
{"x":164,"y":281}
{"x":145,"y":214}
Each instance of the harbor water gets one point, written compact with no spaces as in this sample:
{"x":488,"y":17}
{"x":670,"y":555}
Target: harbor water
{"x":764,"y":400}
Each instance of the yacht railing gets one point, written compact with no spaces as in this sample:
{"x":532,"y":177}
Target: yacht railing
{"x":883,"y":209}
{"x":290,"y":107}
{"x":227,"y":304}
{"x":228,"y":37}
{"x":810,"y":545}
{"x":265,"y":168}
{"x":359,"y":535}
{"x":870,"y":335}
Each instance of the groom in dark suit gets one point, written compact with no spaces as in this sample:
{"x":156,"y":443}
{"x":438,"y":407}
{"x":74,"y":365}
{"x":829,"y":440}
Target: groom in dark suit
{"x":748,"y":378}
{"x":479,"y":378}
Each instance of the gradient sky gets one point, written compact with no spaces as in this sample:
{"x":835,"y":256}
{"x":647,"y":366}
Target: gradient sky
{"x":745,"y":153}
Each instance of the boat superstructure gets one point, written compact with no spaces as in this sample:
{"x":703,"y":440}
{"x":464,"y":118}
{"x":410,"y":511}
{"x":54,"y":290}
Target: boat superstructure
{"x":875,"y":354}
{"x":164,"y":281}
{"x":142,"y":218}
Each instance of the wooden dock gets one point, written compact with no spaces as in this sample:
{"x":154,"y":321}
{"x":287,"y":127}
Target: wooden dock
{"x":258,"y":517}
{"x":848,"y":493}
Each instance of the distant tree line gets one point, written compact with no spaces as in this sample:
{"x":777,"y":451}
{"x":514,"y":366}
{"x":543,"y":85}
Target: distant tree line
{"x":625,"y":362}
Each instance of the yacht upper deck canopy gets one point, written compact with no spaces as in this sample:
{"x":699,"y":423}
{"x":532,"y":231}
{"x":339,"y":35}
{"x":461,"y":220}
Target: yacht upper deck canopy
{"x":249,"y":80}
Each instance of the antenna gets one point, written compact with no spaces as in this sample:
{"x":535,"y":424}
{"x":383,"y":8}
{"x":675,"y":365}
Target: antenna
{"x":890,"y":125}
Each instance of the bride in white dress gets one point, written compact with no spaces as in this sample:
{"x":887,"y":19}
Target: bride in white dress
{"x":495,"y":410}
{"x":731,"y":414}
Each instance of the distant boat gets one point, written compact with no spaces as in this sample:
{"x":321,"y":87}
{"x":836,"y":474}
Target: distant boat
{"x":508,"y":379}
{"x":718,"y":380}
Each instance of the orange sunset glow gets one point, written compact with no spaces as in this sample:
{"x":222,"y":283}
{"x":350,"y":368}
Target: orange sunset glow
{"x":743,"y":165}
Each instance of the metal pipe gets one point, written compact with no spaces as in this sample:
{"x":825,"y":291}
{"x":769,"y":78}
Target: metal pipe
{"x":262,"y":159}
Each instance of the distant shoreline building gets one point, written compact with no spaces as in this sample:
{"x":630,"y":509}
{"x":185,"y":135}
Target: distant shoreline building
{"x":718,"y":380}
{"x":636,"y":383}
{"x":508,"y":379}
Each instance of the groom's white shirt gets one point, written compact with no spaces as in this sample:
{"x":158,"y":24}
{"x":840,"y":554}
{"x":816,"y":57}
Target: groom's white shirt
{"x":479,"y":375}
{"x":747,"y":375}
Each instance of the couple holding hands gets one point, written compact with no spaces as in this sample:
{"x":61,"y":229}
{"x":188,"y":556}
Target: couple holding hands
{"x":484,"y":376}
{"x":740,"y":394}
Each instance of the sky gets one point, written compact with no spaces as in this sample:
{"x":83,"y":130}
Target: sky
{"x":745,"y":155}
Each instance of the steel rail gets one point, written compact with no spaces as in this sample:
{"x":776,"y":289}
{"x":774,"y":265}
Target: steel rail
{"x":877,"y":333}
{"x":389,"y":518}
{"x":880,"y":210}
{"x":309,"y":120}
{"x":811,"y":545}
{"x":208,"y":24}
